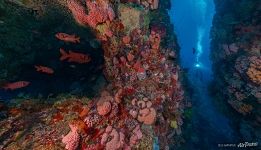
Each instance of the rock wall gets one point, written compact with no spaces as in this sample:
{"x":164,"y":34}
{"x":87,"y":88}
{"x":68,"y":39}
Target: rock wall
{"x":141,"y":107}
{"x":236,"y":47}
{"x":145,"y":92}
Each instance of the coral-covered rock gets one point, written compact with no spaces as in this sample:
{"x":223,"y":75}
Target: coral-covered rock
{"x":147,"y":116}
{"x":254,"y":70}
{"x":112,"y":139}
{"x":230,"y":49}
{"x":154,"y":40}
{"x":136,"y":136}
{"x":78,"y":12}
{"x":131,"y":17}
{"x":71,"y":140}
{"x":237,"y":63}
{"x":118,"y":96}
{"x":126,"y":39}
{"x":103,"y":107}
{"x":98,"y":12}
{"x":130,"y":57}
{"x":99,"y":16}
{"x":160,"y":29}
{"x":92,"y":120}
{"x":145,"y":113}
{"x":137,"y":69}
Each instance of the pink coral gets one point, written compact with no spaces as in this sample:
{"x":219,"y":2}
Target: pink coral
{"x":155,"y":4}
{"x":91,"y":120}
{"x":146,"y":113}
{"x":136,"y":135}
{"x":147,"y":116}
{"x":103,"y":107}
{"x":112,"y":139}
{"x":71,"y":140}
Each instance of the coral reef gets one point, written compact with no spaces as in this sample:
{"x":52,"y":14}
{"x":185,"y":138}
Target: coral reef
{"x":254,"y":70}
{"x":236,"y":59}
{"x":71,"y":140}
{"x":143,"y":93}
{"x":143,"y":81}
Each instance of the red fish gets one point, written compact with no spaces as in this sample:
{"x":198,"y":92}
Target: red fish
{"x":44,"y":69}
{"x":16,"y":85}
{"x":67,"y":37}
{"x":74,"y":57}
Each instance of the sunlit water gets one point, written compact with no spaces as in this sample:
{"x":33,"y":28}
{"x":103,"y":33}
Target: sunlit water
{"x":192,"y":20}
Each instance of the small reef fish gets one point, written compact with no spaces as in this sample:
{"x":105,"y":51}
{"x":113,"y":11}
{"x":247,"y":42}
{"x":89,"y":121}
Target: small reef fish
{"x":44,"y":69}
{"x":74,"y":57}
{"x":16,"y":85}
{"x":67,"y":37}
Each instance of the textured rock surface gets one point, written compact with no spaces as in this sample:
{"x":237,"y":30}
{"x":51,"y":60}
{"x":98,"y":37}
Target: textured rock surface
{"x":143,"y":94}
{"x":236,"y":60}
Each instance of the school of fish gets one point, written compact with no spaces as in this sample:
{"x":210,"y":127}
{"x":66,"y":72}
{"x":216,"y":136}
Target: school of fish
{"x":70,"y":56}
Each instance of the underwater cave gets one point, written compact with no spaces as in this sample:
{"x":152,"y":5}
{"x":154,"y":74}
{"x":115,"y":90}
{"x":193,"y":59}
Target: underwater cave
{"x":130,"y":74}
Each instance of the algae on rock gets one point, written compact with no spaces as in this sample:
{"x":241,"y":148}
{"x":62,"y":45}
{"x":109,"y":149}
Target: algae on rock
{"x":133,"y":17}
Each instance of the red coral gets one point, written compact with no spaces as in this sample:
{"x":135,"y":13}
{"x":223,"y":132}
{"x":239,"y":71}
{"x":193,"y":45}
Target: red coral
{"x":154,"y":40}
{"x":98,"y":12}
{"x":159,"y":28}
{"x":78,"y":12}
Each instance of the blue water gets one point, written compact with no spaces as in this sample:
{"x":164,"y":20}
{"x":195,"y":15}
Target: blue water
{"x":192,"y":21}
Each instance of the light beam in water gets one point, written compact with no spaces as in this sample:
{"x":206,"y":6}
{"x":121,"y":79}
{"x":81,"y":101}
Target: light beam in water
{"x":200,"y":34}
{"x":201,"y":6}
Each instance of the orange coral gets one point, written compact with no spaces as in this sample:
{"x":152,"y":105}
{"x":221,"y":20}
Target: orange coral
{"x":118,"y":96}
{"x":84,"y":112}
{"x":57,"y":117}
{"x":15,"y":111}
{"x":254,"y":71}
{"x":145,"y":114}
{"x":126,"y":39}
{"x":245,"y":108}
{"x":80,"y":125}
{"x":241,"y":107}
